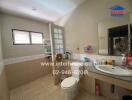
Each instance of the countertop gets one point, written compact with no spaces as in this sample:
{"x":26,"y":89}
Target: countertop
{"x":92,"y":69}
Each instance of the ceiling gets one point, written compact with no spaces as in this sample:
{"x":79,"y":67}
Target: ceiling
{"x":46,"y":10}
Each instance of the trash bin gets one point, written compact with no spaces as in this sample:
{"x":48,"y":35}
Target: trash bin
{"x":127,"y":97}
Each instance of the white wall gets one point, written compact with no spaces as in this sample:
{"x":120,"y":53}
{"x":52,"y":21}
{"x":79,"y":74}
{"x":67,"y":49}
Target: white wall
{"x":10,"y":22}
{"x":81,"y":29}
{"x":3,"y":83}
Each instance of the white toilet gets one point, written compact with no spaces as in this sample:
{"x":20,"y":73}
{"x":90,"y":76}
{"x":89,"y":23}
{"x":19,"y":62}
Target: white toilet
{"x":69,"y":85}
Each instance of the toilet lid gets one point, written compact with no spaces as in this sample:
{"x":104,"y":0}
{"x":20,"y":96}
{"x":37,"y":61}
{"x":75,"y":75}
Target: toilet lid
{"x":68,"y":82}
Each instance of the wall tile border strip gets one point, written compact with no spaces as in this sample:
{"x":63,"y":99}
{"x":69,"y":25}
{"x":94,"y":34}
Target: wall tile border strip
{"x":23,"y":59}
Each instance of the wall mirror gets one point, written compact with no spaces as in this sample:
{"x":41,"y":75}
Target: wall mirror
{"x":130,"y":28}
{"x":114,"y":35}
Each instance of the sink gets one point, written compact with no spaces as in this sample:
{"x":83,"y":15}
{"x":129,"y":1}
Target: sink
{"x":114,"y":70}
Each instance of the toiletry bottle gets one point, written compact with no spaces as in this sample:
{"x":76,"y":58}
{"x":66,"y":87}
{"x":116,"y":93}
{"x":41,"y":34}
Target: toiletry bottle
{"x":129,"y":59}
{"x":109,"y":61}
{"x":97,"y":89}
{"x":123,"y":60}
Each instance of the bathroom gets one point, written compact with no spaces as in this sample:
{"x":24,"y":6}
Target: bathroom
{"x":38,"y":36}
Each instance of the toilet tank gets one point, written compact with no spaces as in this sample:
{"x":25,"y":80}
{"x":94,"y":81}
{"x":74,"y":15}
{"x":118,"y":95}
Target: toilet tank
{"x":76,"y":68}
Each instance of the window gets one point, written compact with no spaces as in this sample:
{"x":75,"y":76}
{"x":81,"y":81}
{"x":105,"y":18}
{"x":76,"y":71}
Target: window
{"x":37,"y":38}
{"x":21,"y":37}
{"x":58,"y":40}
{"x":27,"y":37}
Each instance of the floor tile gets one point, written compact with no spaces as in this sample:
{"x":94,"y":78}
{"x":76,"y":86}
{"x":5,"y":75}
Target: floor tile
{"x":44,"y":89}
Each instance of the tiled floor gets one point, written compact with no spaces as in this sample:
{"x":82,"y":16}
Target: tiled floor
{"x":44,"y":89}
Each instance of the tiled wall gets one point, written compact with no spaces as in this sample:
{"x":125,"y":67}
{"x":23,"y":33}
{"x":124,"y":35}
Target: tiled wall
{"x":81,"y":57}
{"x":24,"y":72}
{"x":4,"y":94}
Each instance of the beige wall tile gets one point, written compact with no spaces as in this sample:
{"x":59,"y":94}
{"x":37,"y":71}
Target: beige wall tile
{"x":4,"y":95}
{"x":21,"y":73}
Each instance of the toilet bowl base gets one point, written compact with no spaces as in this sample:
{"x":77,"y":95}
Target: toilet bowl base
{"x":70,"y":94}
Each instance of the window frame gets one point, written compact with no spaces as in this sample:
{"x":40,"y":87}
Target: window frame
{"x":30,"y":37}
{"x":53,"y":38}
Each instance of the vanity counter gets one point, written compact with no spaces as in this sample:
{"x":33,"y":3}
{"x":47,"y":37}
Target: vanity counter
{"x":125,"y":78}
{"x":122,"y":81}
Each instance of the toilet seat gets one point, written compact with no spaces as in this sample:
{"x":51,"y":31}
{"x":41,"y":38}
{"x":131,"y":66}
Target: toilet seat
{"x":68,"y":82}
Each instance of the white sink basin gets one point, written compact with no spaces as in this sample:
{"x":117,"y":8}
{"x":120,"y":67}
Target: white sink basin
{"x":115,"y":70}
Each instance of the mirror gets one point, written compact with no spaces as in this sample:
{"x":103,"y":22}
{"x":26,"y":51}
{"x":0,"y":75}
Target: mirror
{"x":113,"y":35}
{"x":130,"y":32}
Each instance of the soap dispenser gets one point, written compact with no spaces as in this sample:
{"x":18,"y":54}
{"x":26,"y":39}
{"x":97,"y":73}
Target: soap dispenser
{"x":123,"y":59}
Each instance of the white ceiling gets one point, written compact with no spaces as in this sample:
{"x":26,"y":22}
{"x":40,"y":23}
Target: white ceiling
{"x":50,"y":10}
